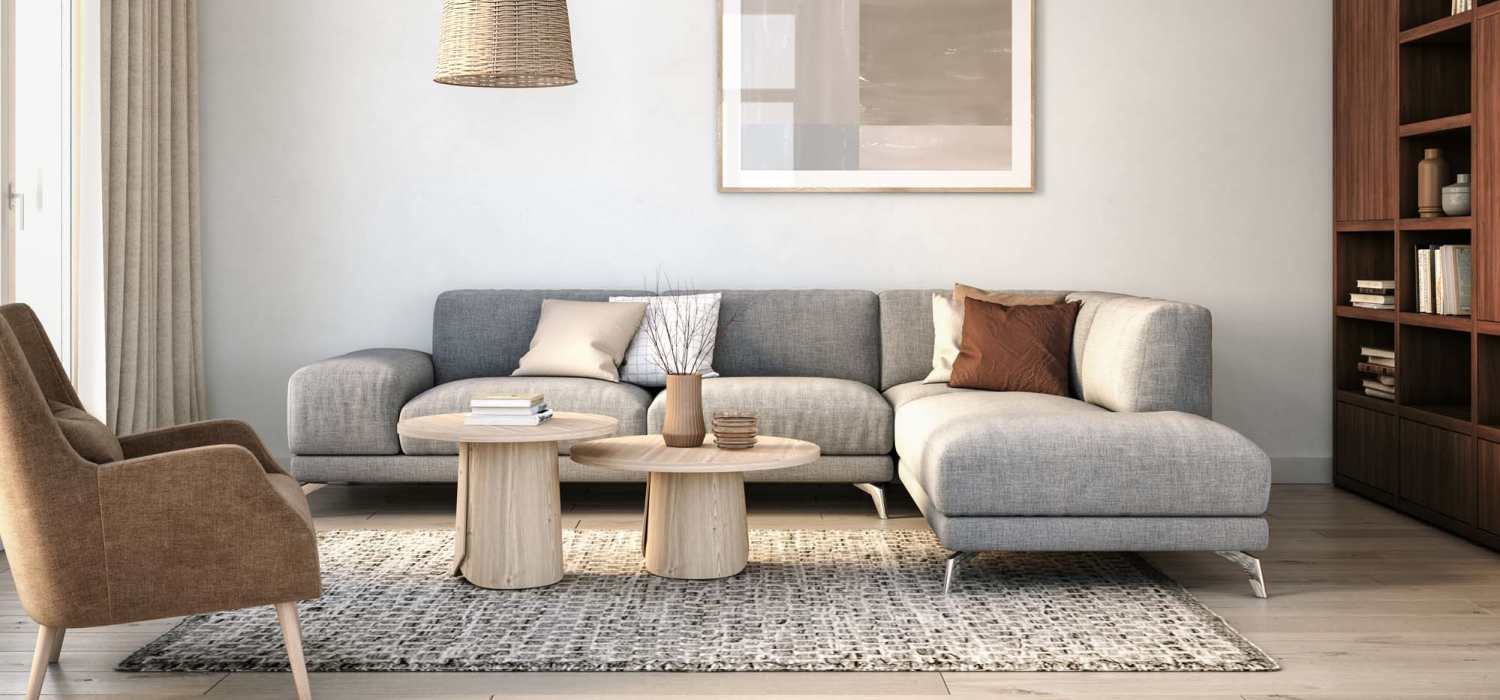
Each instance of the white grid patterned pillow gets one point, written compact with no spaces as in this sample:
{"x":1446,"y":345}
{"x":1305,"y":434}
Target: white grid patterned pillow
{"x":641,"y":366}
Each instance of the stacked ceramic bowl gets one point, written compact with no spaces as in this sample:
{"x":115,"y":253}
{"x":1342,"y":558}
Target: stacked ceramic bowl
{"x":734,"y":430}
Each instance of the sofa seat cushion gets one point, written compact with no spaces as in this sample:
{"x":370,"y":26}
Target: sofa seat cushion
{"x":910,"y":391}
{"x":841,"y":416}
{"x":625,"y":402}
{"x":1020,"y":454}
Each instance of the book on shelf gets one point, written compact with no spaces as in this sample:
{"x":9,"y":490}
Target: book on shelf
{"x":1445,"y":279}
{"x":1424,"y":280}
{"x":1377,"y":385}
{"x":1364,"y":305}
{"x":483,"y":419}
{"x":1358,"y":298}
{"x":1377,"y":370}
{"x":506,"y":400}
{"x":1376,"y":286}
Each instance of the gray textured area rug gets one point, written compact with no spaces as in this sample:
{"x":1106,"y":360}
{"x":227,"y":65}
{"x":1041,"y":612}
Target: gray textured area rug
{"x":867,"y":600}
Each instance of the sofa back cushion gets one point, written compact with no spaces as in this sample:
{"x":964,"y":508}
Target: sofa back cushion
{"x":762,"y":333}
{"x":484,"y":332}
{"x":1136,"y":354}
{"x":799,"y":333}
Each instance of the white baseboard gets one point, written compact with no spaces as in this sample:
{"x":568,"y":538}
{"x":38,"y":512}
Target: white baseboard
{"x":1302,"y":470}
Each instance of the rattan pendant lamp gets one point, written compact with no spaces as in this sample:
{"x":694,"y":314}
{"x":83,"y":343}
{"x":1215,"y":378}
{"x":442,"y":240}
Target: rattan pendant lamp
{"x":505,"y":44}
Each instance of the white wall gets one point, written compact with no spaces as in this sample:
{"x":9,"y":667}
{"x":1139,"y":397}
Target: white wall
{"x":1184,"y":152}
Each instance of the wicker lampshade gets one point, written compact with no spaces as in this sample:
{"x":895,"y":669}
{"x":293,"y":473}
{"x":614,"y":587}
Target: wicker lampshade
{"x":505,"y":43}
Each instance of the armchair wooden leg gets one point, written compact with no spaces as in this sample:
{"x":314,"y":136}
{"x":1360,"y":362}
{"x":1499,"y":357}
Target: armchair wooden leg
{"x":291,"y":632}
{"x":48,"y":641}
{"x":56,"y":651}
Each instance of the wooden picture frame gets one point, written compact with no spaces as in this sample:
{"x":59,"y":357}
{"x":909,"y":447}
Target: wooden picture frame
{"x":820,"y":123}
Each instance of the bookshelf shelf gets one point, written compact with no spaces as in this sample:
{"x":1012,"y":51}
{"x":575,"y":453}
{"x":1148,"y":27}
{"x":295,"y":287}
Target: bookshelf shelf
{"x":1381,"y":315}
{"x":1363,"y":401}
{"x":1462,"y":324}
{"x":1435,"y":126}
{"x":1441,"y":223}
{"x":1447,"y":417}
{"x":1372,"y":226}
{"x":1444,"y":30}
{"x":1410,"y":75}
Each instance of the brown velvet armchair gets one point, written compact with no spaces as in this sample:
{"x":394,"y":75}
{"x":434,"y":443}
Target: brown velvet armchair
{"x":193,"y":519}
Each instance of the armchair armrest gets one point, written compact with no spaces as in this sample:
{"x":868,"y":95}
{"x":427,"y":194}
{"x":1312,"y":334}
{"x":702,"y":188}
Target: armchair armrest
{"x":1133,"y":354}
{"x":201,"y":434}
{"x":201,"y":529}
{"x":349,"y":405}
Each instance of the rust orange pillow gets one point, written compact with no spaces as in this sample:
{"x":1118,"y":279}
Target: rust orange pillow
{"x":1015,"y":348}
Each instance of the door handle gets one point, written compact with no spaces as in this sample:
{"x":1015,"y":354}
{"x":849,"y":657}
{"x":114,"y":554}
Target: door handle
{"x":16,"y":201}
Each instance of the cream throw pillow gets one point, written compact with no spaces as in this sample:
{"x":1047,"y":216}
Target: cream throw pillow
{"x":948,"y":322}
{"x":641,"y":365}
{"x":581,"y":339}
{"x":947,"y":332}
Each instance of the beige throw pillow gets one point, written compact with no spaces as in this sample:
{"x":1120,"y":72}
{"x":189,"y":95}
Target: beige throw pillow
{"x":581,"y":339}
{"x":948,"y":322}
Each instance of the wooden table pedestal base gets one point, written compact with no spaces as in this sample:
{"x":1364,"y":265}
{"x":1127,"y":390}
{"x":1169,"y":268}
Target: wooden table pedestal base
{"x":508,"y":532}
{"x":695,"y":525}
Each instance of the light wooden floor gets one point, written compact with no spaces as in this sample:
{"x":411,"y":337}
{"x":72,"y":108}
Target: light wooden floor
{"x":1365,"y":604}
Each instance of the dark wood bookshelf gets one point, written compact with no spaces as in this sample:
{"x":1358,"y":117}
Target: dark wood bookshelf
{"x":1409,"y":76}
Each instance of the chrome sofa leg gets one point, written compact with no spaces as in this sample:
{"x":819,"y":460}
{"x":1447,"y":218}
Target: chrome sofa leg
{"x":877,"y":494}
{"x":1251,"y":565}
{"x":950,"y":569}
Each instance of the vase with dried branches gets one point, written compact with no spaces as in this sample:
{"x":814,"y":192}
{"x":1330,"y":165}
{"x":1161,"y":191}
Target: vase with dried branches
{"x":682,"y":330}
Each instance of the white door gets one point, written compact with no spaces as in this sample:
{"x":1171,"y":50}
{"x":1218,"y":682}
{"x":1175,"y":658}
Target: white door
{"x":36,"y":245}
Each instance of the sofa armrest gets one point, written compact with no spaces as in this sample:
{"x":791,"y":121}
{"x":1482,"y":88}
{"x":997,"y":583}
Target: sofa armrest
{"x":349,"y":405}
{"x":1133,"y":354}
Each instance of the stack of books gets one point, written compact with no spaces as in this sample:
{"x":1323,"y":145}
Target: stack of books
{"x":1445,"y":279}
{"x":1373,"y":294}
{"x":1377,"y":371}
{"x":1460,"y":6}
{"x":508,"y":409}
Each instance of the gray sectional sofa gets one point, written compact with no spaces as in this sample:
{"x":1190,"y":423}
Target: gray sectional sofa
{"x":1131,"y":461}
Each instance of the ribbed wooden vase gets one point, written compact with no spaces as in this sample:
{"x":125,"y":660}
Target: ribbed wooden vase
{"x":684,"y":424}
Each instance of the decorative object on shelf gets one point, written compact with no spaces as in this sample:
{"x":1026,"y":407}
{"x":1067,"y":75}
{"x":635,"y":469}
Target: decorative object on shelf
{"x":1377,"y":369}
{"x":505,"y":44}
{"x":735,"y":430}
{"x":870,"y":95}
{"x":684,"y":423}
{"x":1456,"y":199}
{"x":1432,"y":172}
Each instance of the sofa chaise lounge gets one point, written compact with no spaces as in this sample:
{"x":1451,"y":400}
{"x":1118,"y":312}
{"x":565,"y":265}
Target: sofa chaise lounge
{"x":1131,"y":461}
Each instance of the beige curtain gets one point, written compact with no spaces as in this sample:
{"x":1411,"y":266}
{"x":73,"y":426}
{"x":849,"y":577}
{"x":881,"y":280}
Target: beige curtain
{"x":153,"y":321}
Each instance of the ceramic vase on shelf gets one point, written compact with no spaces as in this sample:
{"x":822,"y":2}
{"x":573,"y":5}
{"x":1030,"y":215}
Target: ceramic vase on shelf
{"x":1432,"y":174}
{"x":1456,"y":200}
{"x":684,"y":425}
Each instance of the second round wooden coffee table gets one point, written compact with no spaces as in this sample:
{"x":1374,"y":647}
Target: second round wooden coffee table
{"x":508,"y":530}
{"x":695,"y":497}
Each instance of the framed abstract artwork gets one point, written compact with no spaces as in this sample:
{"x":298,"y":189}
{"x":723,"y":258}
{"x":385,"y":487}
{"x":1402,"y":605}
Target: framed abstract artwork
{"x":876,"y":95}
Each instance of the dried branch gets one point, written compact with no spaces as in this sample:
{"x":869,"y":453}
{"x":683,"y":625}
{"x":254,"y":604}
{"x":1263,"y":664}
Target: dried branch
{"x":683,"y":332}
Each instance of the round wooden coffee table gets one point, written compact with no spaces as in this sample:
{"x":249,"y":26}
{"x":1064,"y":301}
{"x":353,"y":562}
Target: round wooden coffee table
{"x":695,"y":497}
{"x":508,"y":529}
